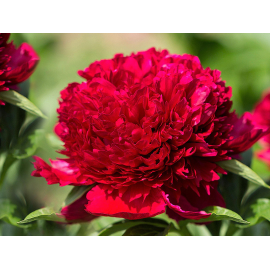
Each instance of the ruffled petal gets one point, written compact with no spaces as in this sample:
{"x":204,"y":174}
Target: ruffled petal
{"x":244,"y":134}
{"x":75,"y":212}
{"x":190,"y":204}
{"x":62,"y":172}
{"x":133,"y":203}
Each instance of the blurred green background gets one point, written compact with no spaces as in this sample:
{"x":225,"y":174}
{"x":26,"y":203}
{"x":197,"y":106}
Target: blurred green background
{"x":243,"y":59}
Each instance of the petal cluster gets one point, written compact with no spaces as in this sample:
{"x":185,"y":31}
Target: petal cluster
{"x":147,"y":130}
{"x":16,"y":65}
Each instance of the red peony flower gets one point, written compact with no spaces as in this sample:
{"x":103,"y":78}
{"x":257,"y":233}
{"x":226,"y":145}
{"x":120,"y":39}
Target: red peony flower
{"x":262,"y":118}
{"x":147,"y":131}
{"x":16,"y":65}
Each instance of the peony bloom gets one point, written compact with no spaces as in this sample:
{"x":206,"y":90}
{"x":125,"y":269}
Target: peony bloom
{"x":262,"y":118}
{"x":147,"y":130}
{"x":16,"y":65}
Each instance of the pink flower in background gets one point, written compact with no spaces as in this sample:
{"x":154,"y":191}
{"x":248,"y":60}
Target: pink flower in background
{"x":16,"y":65}
{"x":262,"y":117}
{"x":147,"y":130}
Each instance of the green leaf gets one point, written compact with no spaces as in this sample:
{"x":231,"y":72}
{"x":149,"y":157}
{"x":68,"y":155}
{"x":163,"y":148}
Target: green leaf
{"x":54,"y":141}
{"x":258,"y":193}
{"x":77,"y":193}
{"x":19,"y":100}
{"x":25,"y":146}
{"x":12,"y":119}
{"x":126,"y":224}
{"x":217,"y":213}
{"x":231,"y":229}
{"x":6,"y":213}
{"x":8,"y":162}
{"x":28,"y":144}
{"x":146,"y":230}
{"x":220,"y":213}
{"x":166,"y":231}
{"x":46,"y":213}
{"x":6,"y":208}
{"x":233,"y":187}
{"x":165,"y":217}
{"x":259,"y":229}
{"x":239,"y":168}
{"x":257,"y":212}
{"x":85,"y":229}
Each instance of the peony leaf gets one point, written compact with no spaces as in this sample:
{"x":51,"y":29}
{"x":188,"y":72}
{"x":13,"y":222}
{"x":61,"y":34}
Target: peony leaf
{"x":28,"y":144}
{"x":6,"y":208}
{"x":25,"y":146}
{"x":77,"y":193}
{"x":220,"y":213}
{"x":54,"y":141}
{"x":258,"y":193}
{"x":217,"y":213}
{"x":233,"y":187}
{"x":146,"y":230}
{"x":8,"y":162}
{"x":19,"y":100}
{"x":239,"y":168}
{"x":46,"y":213}
{"x":11,"y":120}
{"x":166,"y":231}
{"x":126,"y":224}
{"x":257,"y":212}
{"x":6,"y":213}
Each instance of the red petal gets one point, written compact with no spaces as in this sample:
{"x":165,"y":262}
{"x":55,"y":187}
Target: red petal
{"x":190,"y":205}
{"x":245,"y":133}
{"x":105,"y":204}
{"x":62,"y":171}
{"x":76,"y":213}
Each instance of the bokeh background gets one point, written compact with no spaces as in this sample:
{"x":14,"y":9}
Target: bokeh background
{"x":244,"y":62}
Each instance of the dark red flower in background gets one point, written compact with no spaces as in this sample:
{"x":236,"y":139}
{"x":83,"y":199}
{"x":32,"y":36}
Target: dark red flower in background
{"x":16,"y":65}
{"x":262,"y":117}
{"x":147,"y":130}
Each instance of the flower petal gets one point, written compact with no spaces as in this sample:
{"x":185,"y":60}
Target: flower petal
{"x":106,"y":202}
{"x":190,"y":205}
{"x":75,"y":212}
{"x":245,"y":133}
{"x":62,"y":171}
